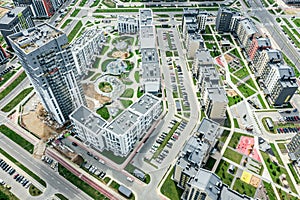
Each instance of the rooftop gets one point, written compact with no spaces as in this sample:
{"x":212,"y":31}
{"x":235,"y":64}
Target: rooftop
{"x":204,"y":57}
{"x":86,"y":37}
{"x":274,"y":55}
{"x":209,"y":129}
{"x":33,"y":38}
{"x":144,"y":103}
{"x":249,"y":26}
{"x":12,"y":14}
{"x":88,"y":119}
{"x":146,"y":16}
{"x":217,"y":94}
{"x":123,"y":122}
{"x":147,"y":36}
{"x":128,"y":19}
{"x":264,"y":42}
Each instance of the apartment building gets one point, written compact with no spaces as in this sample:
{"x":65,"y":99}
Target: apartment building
{"x":150,"y":63}
{"x":194,"y":42}
{"x":45,"y":54}
{"x":40,"y":8}
{"x":223,"y":20}
{"x":128,"y":24}
{"x":85,"y":48}
{"x":246,"y":31}
{"x":263,"y":58}
{"x":122,"y":133}
{"x":15,"y":20}
{"x":213,"y":96}
{"x":280,"y":82}
{"x":294,"y":148}
{"x":292,"y":2}
{"x":257,"y":46}
{"x":3,"y":56}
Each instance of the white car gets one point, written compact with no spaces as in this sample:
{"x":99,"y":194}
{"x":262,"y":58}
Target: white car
{"x":129,"y":179}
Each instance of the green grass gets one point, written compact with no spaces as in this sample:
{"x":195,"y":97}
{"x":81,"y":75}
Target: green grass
{"x":104,"y":50}
{"x":114,"y":185}
{"x":95,"y":3}
{"x":33,"y":191}
{"x":221,"y":171}
{"x":269,"y":190}
{"x":75,"y":12}
{"x":105,"y":63}
{"x":126,"y":103}
{"x":236,"y":123}
{"x":209,"y":165}
{"x":278,"y":20}
{"x":130,"y":168}
{"x":117,"y":159}
{"x":15,"y":101}
{"x":12,"y":86}
{"x":128,"y":93}
{"x":235,"y":139}
{"x":224,"y":135}
{"x":291,"y":35}
{"x":297,"y":22}
{"x":250,"y":82}
{"x":75,"y":30}
{"x":282,"y":147}
{"x":68,"y":21}
{"x":261,"y":101}
{"x":137,"y":76}
{"x":17,"y":138}
{"x":285,"y":196}
{"x":244,"y":188}
{"x":139,"y":93}
{"x":234,"y":80}
{"x":295,"y":175}
{"x":236,"y":53}
{"x":242,"y":73}
{"x":61,"y":197}
{"x":106,"y":179}
{"x":233,"y":155}
{"x":169,"y":54}
{"x":82,"y":3}
{"x":114,"y":10}
{"x":89,"y":190}
{"x":105,"y":87}
{"x":30,"y":173}
{"x":7,"y":76}
{"x":246,"y":91}
{"x":295,"y":31}
{"x":287,"y":22}
{"x":234,"y":100}
{"x":109,"y":3}
{"x":169,"y":188}
{"x":103,"y":112}
{"x":290,"y":63}
{"x":276,"y":154}
{"x":5,"y":194}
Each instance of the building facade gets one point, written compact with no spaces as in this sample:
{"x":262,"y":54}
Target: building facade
{"x":85,"y":48}
{"x":45,"y":54}
{"x":3,"y":56}
{"x":294,"y":148}
{"x":128,"y":24}
{"x":246,"y":31}
{"x":223,"y":20}
{"x":121,"y":134}
{"x":194,"y":42}
{"x":14,"y":21}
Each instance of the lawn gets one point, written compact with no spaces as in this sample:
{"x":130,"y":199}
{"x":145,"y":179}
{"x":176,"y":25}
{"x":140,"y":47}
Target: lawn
{"x":128,"y":93}
{"x":291,"y":35}
{"x":224,"y":136}
{"x":126,"y":103}
{"x":109,"y":3}
{"x":209,"y":165}
{"x":17,"y":138}
{"x":246,"y":91}
{"x":276,"y":154}
{"x":30,"y":173}
{"x":295,"y":175}
{"x":285,"y":196}
{"x":244,"y":188}
{"x":282,"y":147}
{"x":7,"y":76}
{"x":33,"y":191}
{"x":236,"y":123}
{"x":103,"y":112}
{"x":169,"y":54}
{"x":105,"y":63}
{"x":8,"y":107}
{"x":233,"y":100}
{"x":68,"y":21}
{"x":82,"y":3}
{"x":261,"y":101}
{"x":95,"y":3}
{"x":276,"y":171}
{"x":290,"y":63}
{"x":233,"y":155}
{"x":250,"y":82}
{"x":12,"y":86}
{"x":75,"y":30}
{"x":106,"y":179}
{"x":117,"y":159}
{"x":169,"y":188}
{"x":95,"y":76}
{"x":137,"y":76}
{"x":236,"y":53}
{"x":75,"y":12}
{"x":104,"y":50}
{"x":95,"y":194}
{"x":221,"y":171}
{"x":139,"y":93}
{"x":234,"y":80}
{"x":297,"y":22}
{"x":5,"y":194}
{"x":287,"y":22}
{"x":242,"y":73}
{"x":269,"y":190}
{"x":61,"y":197}
{"x":235,"y":139}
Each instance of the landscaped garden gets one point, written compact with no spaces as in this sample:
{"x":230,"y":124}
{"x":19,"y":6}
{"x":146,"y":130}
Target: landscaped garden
{"x":169,"y":188}
{"x":235,"y":139}
{"x":105,"y":87}
{"x":103,"y":112}
{"x":233,"y":155}
{"x":221,"y":171}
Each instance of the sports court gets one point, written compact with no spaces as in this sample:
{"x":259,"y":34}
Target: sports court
{"x":246,"y":146}
{"x":250,"y":179}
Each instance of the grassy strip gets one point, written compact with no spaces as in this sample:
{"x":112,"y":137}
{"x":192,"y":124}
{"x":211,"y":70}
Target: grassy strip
{"x":246,"y":91}
{"x":137,"y":76}
{"x":75,"y":31}
{"x":30,"y":173}
{"x":269,"y":190}
{"x":128,"y":93}
{"x":291,"y":35}
{"x":164,"y":143}
{"x":287,"y":22}
{"x":224,"y":136}
{"x":233,"y":155}
{"x":61,"y":197}
{"x":12,"y":86}
{"x":8,"y":107}
{"x":295,"y":175}
{"x":17,"y":138}
{"x":82,"y":3}
{"x":261,"y":101}
{"x":276,"y":154}
{"x":103,"y":112}
{"x":68,"y":21}
{"x":290,"y":63}
{"x":130,"y":168}
{"x":297,"y":22}
{"x":236,"y":123}
{"x":6,"y":77}
{"x":89,"y":190}
{"x":126,"y":103}
{"x":114,"y":10}
{"x":75,"y":12}
{"x":96,"y":2}
{"x":6,"y":194}
{"x":169,"y":188}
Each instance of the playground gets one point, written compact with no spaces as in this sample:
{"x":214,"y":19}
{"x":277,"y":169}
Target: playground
{"x":246,"y":146}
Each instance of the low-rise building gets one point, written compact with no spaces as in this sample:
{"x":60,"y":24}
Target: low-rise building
{"x":294,"y":148}
{"x":128,"y":24}
{"x":85,"y":48}
{"x":121,"y":134}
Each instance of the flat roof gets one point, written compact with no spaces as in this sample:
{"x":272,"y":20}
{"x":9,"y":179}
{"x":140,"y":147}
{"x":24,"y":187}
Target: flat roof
{"x":86,"y":37}
{"x":89,"y":119}
{"x":9,"y":16}
{"x":146,"y":16}
{"x":217,"y":94}
{"x":128,"y":19}
{"x":204,"y":57}
{"x":124,"y":190}
{"x":210,"y":129}
{"x":249,"y":26}
{"x":147,"y":36}
{"x":195,"y":150}
{"x":33,"y":38}
{"x":144,"y":103}
{"x":123,"y":122}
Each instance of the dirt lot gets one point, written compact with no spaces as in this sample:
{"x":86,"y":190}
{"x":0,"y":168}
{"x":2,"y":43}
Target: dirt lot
{"x":228,"y":58}
{"x":35,"y":125}
{"x":89,"y":91}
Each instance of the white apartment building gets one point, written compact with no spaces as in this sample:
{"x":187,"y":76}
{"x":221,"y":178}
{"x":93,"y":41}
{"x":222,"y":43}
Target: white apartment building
{"x":128,"y":24}
{"x":86,"y":47}
{"x":264,"y":57}
{"x":194,"y":42}
{"x":202,"y":19}
{"x":245,"y":31}
{"x":121,"y":134}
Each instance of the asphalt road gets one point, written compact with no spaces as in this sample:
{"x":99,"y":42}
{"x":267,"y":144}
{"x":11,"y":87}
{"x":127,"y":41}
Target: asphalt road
{"x":259,"y":11}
